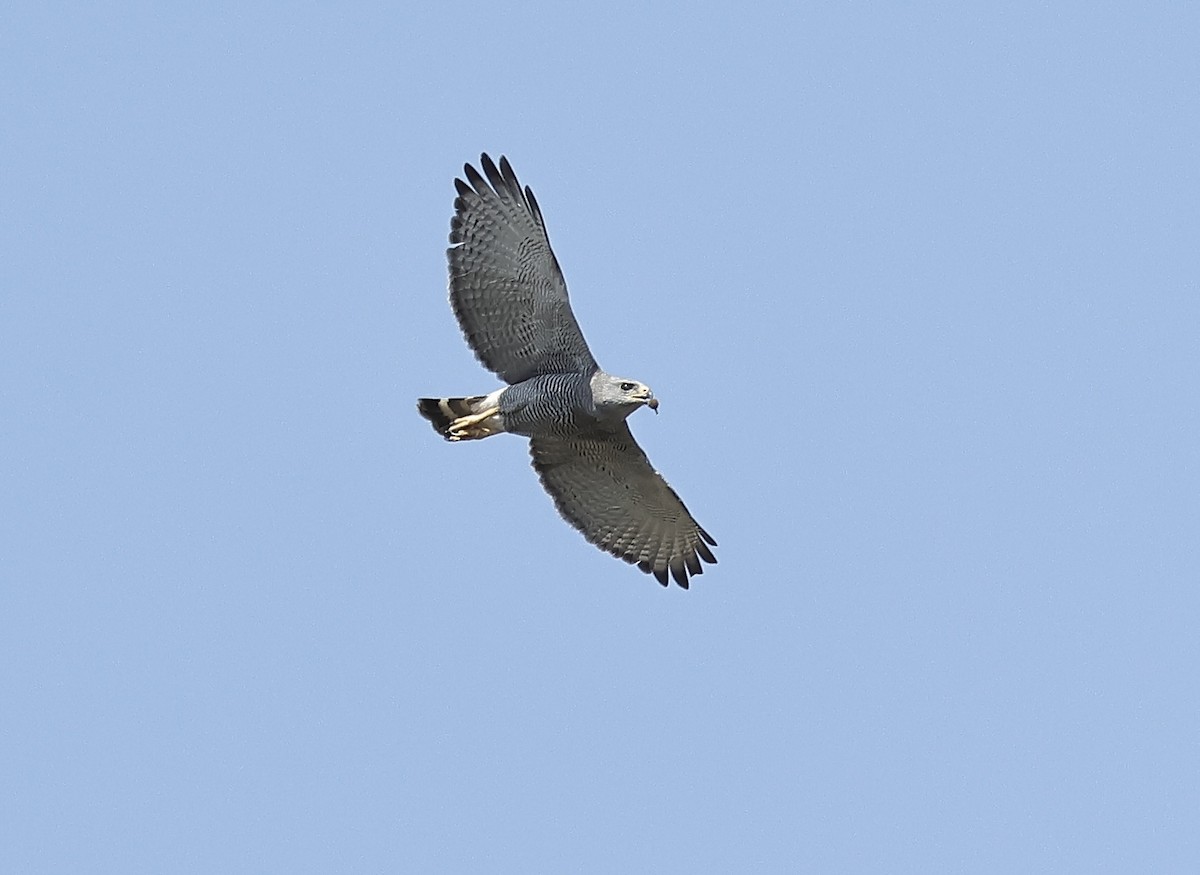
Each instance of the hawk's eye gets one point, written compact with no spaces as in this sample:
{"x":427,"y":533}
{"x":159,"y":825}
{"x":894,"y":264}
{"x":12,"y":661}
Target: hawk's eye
{"x":627,"y":387}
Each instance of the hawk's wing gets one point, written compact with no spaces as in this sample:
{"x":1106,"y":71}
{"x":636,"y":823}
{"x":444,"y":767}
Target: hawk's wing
{"x":603,"y":484}
{"x":505,"y":284}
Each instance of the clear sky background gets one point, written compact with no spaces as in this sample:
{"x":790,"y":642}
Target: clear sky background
{"x":917,"y":285}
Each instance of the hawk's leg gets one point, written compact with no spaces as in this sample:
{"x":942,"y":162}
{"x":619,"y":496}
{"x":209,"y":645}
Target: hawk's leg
{"x":473,"y":427}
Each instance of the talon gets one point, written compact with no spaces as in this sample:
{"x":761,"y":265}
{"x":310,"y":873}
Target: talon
{"x":464,"y":423}
{"x":472,"y":427}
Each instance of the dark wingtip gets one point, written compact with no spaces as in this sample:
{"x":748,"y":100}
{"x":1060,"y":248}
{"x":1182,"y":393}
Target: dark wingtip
{"x":533,"y":205}
{"x":477,"y":186}
{"x":508,"y":173}
{"x":681,"y":568}
{"x":679,"y":572}
{"x":500,"y":180}
{"x":495,"y":177}
{"x":660,"y":574}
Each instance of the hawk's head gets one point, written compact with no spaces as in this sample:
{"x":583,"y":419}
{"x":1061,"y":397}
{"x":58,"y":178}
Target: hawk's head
{"x":620,"y":396}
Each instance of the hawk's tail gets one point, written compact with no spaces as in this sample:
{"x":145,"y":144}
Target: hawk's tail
{"x":443,"y":411}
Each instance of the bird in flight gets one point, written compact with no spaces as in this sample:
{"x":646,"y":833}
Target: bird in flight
{"x":509,"y":296}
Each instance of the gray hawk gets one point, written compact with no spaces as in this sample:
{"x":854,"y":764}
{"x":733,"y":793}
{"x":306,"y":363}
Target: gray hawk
{"x":510,"y":298}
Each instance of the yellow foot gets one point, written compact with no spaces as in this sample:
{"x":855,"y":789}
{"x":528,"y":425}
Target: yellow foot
{"x":467,"y":428}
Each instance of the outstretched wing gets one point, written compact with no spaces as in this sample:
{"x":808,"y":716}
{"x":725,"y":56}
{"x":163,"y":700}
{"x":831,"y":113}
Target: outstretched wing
{"x":603,"y":484}
{"x":505,"y":284}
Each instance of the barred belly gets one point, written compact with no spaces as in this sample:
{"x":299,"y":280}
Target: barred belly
{"x":550,"y":404}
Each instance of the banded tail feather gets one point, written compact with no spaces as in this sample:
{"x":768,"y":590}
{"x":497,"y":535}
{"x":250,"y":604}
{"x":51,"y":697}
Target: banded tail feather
{"x":443,"y":411}
{"x":463,"y":419}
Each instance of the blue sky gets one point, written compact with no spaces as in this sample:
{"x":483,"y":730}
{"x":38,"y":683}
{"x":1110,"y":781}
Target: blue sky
{"x":916,"y":285}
